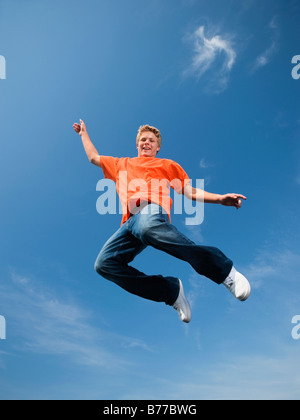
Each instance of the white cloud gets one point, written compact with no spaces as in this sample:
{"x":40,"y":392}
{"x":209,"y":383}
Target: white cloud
{"x":41,"y":322}
{"x":232,"y":377}
{"x":275,"y":266}
{"x":246,"y":377}
{"x":206,"y":53}
{"x":264,"y":58}
{"x":203,"y":164}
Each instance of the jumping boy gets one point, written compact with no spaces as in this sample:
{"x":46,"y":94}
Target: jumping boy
{"x":146,"y":221}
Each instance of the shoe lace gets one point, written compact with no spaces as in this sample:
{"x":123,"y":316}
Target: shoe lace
{"x":229,"y":281}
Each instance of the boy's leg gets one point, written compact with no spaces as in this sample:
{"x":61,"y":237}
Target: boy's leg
{"x":155,"y":229}
{"x":113,"y":261}
{"x":152,"y":227}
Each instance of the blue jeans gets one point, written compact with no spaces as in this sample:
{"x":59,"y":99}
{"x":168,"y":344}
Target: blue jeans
{"x":152,"y":227}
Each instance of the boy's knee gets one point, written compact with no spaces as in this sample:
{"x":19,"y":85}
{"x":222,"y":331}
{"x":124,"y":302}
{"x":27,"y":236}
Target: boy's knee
{"x":99,"y":265}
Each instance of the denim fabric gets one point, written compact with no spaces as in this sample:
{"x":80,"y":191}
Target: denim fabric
{"x":152,"y":227}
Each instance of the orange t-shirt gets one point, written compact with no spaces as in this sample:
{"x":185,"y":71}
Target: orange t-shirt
{"x":142,"y":179}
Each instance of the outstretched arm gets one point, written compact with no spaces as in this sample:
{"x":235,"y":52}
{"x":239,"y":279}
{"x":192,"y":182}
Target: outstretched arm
{"x":196,"y":194}
{"x":89,"y":148}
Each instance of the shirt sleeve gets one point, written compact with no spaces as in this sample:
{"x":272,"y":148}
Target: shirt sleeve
{"x":109,"y":166}
{"x":178,"y":177}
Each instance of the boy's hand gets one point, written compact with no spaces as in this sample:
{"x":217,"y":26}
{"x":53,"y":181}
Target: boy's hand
{"x":80,"y":128}
{"x":232,"y":200}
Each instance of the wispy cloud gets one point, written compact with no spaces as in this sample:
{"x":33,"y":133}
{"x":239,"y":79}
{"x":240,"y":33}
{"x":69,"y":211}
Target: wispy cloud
{"x":45,"y":323}
{"x":207,"y":55}
{"x":264,"y":377}
{"x":234,"y":377}
{"x":265,"y":57}
{"x":204,"y":164}
{"x":274,"y":266}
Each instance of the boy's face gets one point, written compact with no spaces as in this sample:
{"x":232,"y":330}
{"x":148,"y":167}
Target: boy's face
{"x":147,"y":145}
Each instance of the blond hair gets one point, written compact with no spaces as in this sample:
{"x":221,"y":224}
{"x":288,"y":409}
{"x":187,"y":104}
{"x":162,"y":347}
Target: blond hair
{"x":147,"y":127}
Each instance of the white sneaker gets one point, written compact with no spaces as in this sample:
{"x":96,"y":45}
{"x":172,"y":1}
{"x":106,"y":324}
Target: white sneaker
{"x":238,"y":285}
{"x":182,"y":305}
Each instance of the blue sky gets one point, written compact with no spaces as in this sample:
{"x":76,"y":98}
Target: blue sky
{"x":215,"y":78}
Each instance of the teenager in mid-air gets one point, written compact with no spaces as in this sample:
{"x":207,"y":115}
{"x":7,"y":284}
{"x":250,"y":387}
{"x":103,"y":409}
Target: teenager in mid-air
{"x":144,"y":194}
